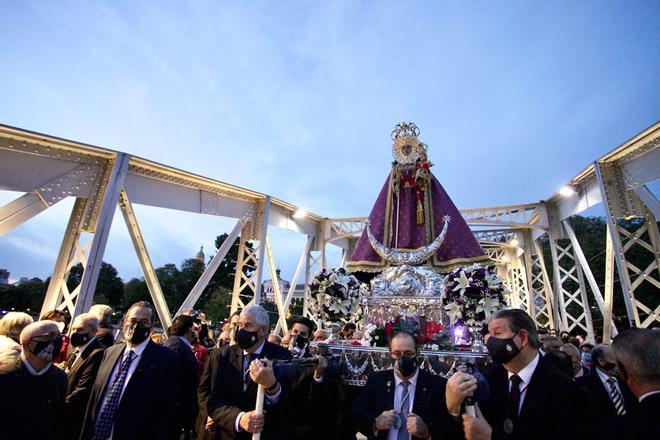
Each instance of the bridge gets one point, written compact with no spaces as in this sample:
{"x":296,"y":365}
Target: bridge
{"x":48,"y":169}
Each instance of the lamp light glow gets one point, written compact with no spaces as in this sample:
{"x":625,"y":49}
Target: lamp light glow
{"x":300,"y":213}
{"x":567,"y":191}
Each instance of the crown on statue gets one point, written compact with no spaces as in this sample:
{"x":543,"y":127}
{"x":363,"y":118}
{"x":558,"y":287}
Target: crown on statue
{"x":405,"y":129}
{"x":406,"y":148}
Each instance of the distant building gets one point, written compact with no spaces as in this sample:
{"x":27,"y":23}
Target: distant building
{"x":268,"y":292}
{"x":200,"y":255}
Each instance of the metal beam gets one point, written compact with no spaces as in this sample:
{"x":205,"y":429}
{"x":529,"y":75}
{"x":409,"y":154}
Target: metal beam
{"x":281,"y":312}
{"x":150,"y":277}
{"x":263,"y":231}
{"x":212,"y":267}
{"x":619,"y":255}
{"x":296,"y":276}
{"x":65,"y":258}
{"x":587,"y":271}
{"x":109,"y":198}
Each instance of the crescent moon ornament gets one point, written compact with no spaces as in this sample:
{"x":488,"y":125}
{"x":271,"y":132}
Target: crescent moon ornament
{"x":414,"y":257}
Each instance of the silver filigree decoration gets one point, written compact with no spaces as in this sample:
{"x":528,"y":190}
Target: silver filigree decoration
{"x":415,"y":257}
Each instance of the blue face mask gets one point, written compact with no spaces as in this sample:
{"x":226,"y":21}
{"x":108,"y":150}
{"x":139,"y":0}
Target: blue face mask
{"x":586,"y":357}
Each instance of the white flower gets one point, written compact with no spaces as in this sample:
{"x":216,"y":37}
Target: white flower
{"x":463,"y":283}
{"x":455,"y":312}
{"x":488,"y":306}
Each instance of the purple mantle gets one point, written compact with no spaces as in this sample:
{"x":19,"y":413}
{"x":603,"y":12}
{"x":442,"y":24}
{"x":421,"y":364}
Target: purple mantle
{"x":460,"y":247}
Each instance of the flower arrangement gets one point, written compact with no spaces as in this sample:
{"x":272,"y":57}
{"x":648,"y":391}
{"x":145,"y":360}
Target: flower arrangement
{"x":336,"y":296}
{"x":472,"y":294}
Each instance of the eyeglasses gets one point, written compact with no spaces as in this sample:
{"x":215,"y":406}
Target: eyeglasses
{"x":400,"y":354}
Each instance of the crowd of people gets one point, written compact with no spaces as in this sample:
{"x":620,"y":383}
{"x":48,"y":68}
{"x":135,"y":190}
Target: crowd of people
{"x":81,"y":380}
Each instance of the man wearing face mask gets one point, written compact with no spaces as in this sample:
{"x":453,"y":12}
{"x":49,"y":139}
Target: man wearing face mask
{"x":82,"y":365}
{"x":135,"y":394}
{"x":233,"y":374}
{"x":608,"y":395}
{"x":403,"y":403}
{"x":32,"y":395}
{"x":637,"y":354}
{"x":315,"y":401}
{"x":525,"y":388}
{"x":181,"y":336}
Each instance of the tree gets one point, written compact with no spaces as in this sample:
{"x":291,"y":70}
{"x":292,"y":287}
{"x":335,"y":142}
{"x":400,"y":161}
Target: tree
{"x":109,"y":287}
{"x":27,"y":296}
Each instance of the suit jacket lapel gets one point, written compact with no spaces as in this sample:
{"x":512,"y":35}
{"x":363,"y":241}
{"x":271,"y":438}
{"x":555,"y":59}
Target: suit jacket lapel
{"x":390,"y":387}
{"x":421,"y":392}
{"x":536,"y":387}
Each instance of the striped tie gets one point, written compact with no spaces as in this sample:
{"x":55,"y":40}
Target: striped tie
{"x":106,"y":417}
{"x":617,"y":400}
{"x":405,"y":410}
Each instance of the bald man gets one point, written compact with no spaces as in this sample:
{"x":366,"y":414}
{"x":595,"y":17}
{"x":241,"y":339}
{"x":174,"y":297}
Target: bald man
{"x":33,"y":394}
{"x":82,"y":365}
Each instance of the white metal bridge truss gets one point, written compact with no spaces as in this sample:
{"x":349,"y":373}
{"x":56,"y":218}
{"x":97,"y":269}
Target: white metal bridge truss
{"x":49,"y":169}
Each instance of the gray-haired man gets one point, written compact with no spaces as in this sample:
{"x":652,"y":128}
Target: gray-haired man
{"x":231,"y":378}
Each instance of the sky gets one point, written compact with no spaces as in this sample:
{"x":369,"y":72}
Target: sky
{"x":297,"y":100}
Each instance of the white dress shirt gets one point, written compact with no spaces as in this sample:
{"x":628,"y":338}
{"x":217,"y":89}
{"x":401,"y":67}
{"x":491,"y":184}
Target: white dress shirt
{"x":131,"y":369}
{"x":271,"y":400}
{"x":650,"y":393}
{"x":33,"y":371}
{"x":398,"y":395}
{"x":526,"y":376}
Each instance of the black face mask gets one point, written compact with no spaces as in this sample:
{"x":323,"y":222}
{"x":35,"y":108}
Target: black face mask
{"x":79,"y":339}
{"x":297,"y":344}
{"x":137,"y":333}
{"x":406,"y":366}
{"x":502,"y":350}
{"x":47,"y":350}
{"x":246,"y":339}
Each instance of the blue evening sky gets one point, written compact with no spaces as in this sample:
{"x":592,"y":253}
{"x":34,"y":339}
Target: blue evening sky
{"x":297,"y":100}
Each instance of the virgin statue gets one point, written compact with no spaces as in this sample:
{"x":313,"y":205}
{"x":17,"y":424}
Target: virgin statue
{"x":414,"y":221}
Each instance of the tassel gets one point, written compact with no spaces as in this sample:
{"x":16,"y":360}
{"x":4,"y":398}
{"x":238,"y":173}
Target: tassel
{"x":420,"y":213}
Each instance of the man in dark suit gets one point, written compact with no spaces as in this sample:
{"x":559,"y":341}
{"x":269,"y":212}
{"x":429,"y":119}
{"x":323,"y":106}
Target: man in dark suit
{"x":405,"y":402}
{"x":32,"y":389}
{"x":637,"y":353}
{"x":529,"y":398}
{"x":315,"y":399}
{"x":180,"y":338}
{"x":135,"y":395}
{"x":233,"y":374}
{"x":608,"y":395}
{"x":81,"y":368}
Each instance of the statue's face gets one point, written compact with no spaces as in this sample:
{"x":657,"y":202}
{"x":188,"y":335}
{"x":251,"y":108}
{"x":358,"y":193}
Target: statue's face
{"x":406,"y":149}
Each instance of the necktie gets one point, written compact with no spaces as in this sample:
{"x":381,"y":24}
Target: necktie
{"x":73,"y":357}
{"x":617,"y":400}
{"x":514,"y":396}
{"x":404,"y":411}
{"x":246,"y":373}
{"x":106,"y":417}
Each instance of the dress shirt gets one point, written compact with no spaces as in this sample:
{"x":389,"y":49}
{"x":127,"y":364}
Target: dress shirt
{"x":33,"y":371}
{"x":650,"y":393}
{"x":526,"y":376}
{"x":603,"y":378}
{"x":131,"y":369}
{"x":271,"y":400}
{"x":398,"y":395}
